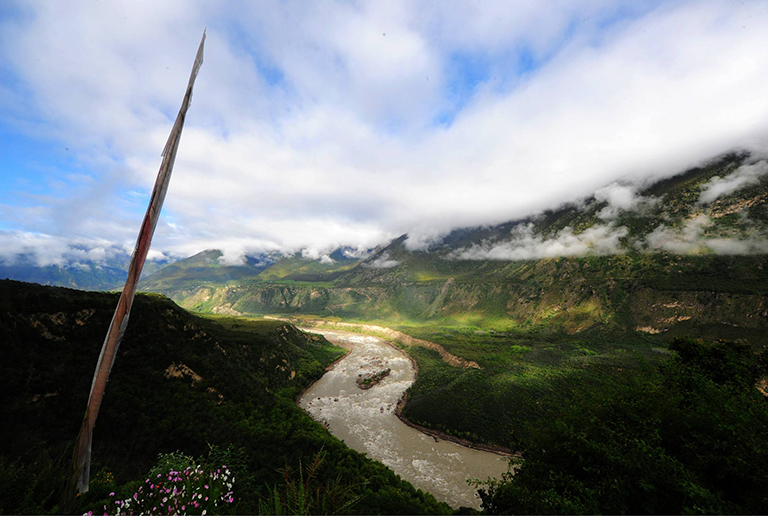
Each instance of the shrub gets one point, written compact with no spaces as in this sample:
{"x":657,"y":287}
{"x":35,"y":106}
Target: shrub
{"x":178,"y":484}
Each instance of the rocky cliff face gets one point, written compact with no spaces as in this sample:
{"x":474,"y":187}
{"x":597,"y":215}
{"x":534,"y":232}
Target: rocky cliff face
{"x":568,"y":294}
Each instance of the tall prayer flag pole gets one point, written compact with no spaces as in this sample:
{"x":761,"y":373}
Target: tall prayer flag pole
{"x":81,"y":463}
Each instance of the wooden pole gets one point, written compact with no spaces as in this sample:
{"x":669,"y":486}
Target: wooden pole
{"x":81,"y":459}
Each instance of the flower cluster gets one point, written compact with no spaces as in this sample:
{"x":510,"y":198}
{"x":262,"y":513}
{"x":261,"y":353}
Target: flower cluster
{"x":193,"y":490}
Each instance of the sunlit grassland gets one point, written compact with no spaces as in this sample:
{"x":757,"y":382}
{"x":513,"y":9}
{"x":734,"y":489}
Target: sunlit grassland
{"x":523,"y":378}
{"x":528,"y":372}
{"x":431,"y":276}
{"x":297,"y":265}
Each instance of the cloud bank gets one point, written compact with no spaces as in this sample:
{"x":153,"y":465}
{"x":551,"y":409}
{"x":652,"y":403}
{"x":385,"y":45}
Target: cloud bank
{"x":350,"y":123}
{"x":18,"y":248}
{"x":692,"y":238}
{"x":381,"y":262}
{"x":525,"y":245}
{"x":599,"y":240}
{"x":742,"y":177}
{"x":621,"y":197}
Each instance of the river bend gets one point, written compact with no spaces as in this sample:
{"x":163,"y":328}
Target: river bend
{"x":365,"y":420}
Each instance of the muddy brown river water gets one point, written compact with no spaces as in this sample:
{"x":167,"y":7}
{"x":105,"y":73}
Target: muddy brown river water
{"x":365,"y":420}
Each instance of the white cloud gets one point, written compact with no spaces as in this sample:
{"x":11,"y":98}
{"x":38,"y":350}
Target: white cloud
{"x":744,"y":176}
{"x":360,"y":253}
{"x":691,"y":238}
{"x":43,"y":250}
{"x":525,"y":245}
{"x":422,"y":237}
{"x":81,"y":266}
{"x":381,"y":262}
{"x":620,"y":198}
{"x":231,"y":256}
{"x":310,"y":127}
{"x":313,"y":253}
{"x":157,"y":256}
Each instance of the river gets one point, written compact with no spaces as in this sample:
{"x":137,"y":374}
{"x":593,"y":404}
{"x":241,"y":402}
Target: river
{"x":365,"y":420}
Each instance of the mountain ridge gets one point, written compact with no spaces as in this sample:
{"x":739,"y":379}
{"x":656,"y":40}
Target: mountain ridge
{"x":652,"y":259}
{"x":691,"y":246}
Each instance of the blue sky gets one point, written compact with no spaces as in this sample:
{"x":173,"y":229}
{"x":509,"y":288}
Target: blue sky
{"x":349,"y":123}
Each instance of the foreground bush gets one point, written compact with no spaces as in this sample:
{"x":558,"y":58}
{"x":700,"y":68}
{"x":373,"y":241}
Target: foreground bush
{"x":178,"y":484}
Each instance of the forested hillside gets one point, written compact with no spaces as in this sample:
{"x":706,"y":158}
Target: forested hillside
{"x":687,"y":437}
{"x":219,"y":390}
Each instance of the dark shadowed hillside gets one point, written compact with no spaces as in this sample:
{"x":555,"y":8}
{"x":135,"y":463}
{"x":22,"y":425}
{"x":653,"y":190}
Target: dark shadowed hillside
{"x":179,"y":382}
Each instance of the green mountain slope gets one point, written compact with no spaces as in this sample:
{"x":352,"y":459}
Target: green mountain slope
{"x":204,"y":267}
{"x":572,"y":297}
{"x":179,"y":382}
{"x":660,"y":258}
{"x":207,"y":269}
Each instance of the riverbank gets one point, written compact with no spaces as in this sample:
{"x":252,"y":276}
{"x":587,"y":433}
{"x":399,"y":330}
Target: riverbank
{"x":385,"y":333}
{"x":330,"y":366}
{"x":365,"y":420}
{"x":435,"y":434}
{"x":438,"y":435}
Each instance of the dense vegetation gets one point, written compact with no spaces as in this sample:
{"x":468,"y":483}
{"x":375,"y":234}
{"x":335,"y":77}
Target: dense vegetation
{"x":653,"y":425}
{"x":216,"y":389}
{"x":525,"y":376}
{"x":522,"y":374}
{"x":690,"y":436}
